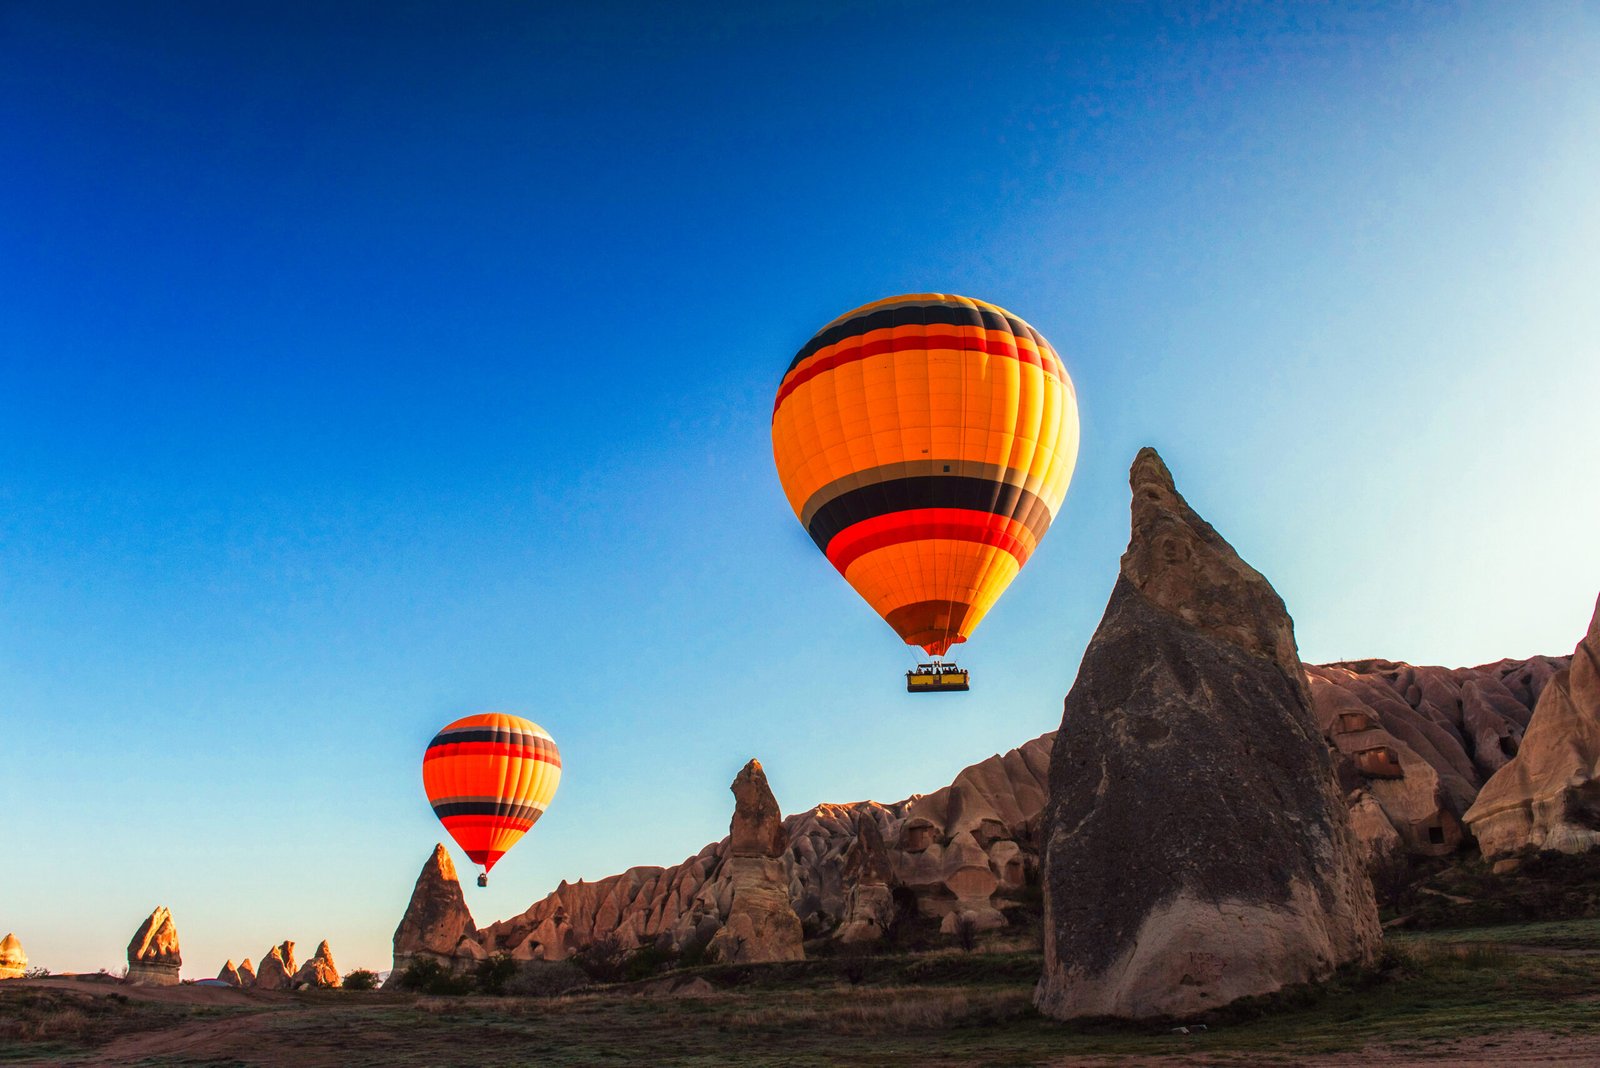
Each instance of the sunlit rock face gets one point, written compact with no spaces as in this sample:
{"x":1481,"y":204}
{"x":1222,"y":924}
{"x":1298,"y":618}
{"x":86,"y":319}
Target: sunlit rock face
{"x":436,"y":920}
{"x":153,"y":956}
{"x":1548,"y":795}
{"x":320,"y":972}
{"x":1197,"y":845}
{"x":995,"y":804}
{"x":13,"y":961}
{"x":277,"y":968}
{"x":229,"y":974}
{"x":761,"y":924}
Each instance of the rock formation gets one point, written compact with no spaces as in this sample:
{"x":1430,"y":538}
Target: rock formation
{"x":153,"y":955}
{"x":319,"y":972}
{"x":247,"y":973}
{"x":1417,"y":743}
{"x":761,"y":923}
{"x":230,"y":974}
{"x":868,"y":873}
{"x":437,"y":919}
{"x":1548,"y":795}
{"x":13,"y":962}
{"x":1198,"y":849}
{"x":996,"y":803}
{"x":277,"y":968}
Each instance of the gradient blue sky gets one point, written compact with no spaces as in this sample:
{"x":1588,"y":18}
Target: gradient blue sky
{"x":366,"y":366}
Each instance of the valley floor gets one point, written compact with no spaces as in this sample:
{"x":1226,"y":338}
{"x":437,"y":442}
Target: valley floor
{"x":1522,"y":995}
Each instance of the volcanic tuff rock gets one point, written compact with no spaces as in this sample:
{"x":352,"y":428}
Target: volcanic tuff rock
{"x":13,"y":962}
{"x":247,"y":973}
{"x":997,"y":802}
{"x":868,"y":872}
{"x":1198,"y":849}
{"x":1419,"y":742}
{"x":277,"y":968}
{"x":153,"y":955}
{"x":761,"y":924}
{"x":230,"y":974}
{"x":437,"y":918}
{"x":1548,"y":795}
{"x":319,"y":971}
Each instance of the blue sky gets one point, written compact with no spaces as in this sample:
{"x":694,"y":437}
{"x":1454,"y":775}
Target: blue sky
{"x":364,"y":368}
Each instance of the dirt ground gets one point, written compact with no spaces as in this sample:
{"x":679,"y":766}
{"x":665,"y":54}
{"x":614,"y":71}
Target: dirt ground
{"x":192,"y":1026}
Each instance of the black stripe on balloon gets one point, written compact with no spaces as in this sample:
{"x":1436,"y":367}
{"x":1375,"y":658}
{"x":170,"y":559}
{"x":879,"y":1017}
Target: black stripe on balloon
{"x":489,"y":734}
{"x":915,"y":315}
{"x":485,"y":808}
{"x":928,"y":491}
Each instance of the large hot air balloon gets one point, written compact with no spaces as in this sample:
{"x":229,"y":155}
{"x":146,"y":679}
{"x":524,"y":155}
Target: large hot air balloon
{"x":489,"y":778}
{"x":926,"y":442}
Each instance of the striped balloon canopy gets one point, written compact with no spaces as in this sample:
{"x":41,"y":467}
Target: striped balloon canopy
{"x":489,"y":778}
{"x":926,"y":442}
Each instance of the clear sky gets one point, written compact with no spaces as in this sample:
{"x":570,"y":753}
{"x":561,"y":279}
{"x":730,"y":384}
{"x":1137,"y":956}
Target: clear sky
{"x":364,"y":366}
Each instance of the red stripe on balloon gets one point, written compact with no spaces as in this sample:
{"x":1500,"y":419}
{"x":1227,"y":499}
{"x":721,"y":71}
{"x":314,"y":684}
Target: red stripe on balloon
{"x":877,"y":347}
{"x":917,"y":524}
{"x":451,"y":749}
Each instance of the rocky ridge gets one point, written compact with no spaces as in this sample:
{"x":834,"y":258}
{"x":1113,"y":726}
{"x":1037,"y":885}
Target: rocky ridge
{"x":995,"y":805}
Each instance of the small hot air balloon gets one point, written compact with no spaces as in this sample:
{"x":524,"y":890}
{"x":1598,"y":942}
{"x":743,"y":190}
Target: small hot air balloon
{"x":926,"y":442}
{"x":489,"y":778}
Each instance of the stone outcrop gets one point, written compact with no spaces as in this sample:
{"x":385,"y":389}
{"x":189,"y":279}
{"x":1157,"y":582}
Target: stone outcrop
{"x":230,"y":974}
{"x":1548,"y":795}
{"x":869,"y":908}
{"x":1198,"y":848}
{"x":319,"y":972}
{"x":1417,"y":743}
{"x":153,"y":956}
{"x":247,"y":973}
{"x":437,"y":921}
{"x":761,"y":924}
{"x":995,"y":802}
{"x":13,"y":961}
{"x":277,"y":968}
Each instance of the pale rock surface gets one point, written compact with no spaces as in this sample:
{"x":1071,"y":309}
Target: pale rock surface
{"x":277,"y":968}
{"x":996,"y":802}
{"x":1421,"y":741}
{"x":761,"y":923}
{"x":247,"y":973}
{"x":1199,"y":849}
{"x":437,"y":920}
{"x":154,"y":958}
{"x":1548,"y":795}
{"x":230,"y":974}
{"x":13,"y":961}
{"x":869,"y":908}
{"x":319,"y":972}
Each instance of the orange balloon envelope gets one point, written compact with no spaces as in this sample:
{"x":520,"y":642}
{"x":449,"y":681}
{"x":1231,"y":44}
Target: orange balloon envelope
{"x":926,"y":442}
{"x":489,"y":778}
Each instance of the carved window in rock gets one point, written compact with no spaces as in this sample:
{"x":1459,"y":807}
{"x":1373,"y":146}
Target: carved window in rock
{"x":1379,"y":762}
{"x":1355,"y":722}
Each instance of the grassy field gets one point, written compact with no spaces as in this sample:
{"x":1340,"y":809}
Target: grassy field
{"x":1528,"y":993}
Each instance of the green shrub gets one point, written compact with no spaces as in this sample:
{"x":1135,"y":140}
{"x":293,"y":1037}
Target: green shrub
{"x":361,"y":979}
{"x":493,"y":974}
{"x":424,"y":975}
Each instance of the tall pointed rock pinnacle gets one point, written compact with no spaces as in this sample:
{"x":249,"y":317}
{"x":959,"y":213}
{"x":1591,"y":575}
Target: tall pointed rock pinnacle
{"x":437,"y":917}
{"x":1197,"y":848}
